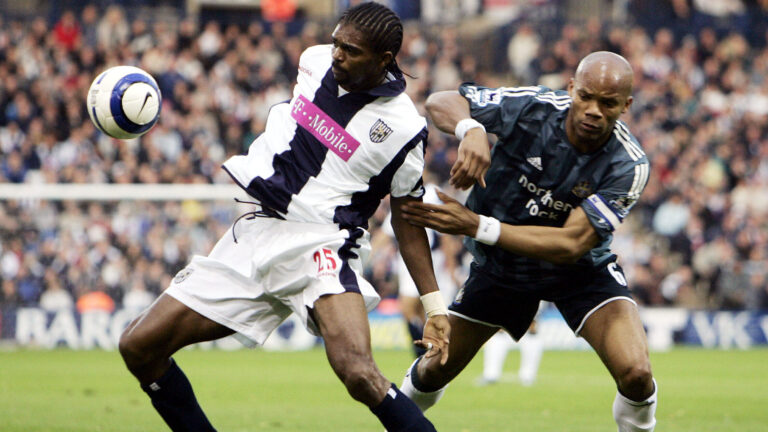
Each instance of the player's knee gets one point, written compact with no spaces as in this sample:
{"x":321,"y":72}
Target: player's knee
{"x":360,"y":378}
{"x":636,"y":382}
{"x":130,"y":349}
{"x":359,"y":383}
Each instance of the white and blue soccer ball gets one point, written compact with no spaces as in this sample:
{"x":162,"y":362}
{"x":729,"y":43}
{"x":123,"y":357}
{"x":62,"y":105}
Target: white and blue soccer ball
{"x":124,"y":102}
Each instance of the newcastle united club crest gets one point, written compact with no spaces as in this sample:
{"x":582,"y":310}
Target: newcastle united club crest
{"x":379,"y":131}
{"x":582,"y":189}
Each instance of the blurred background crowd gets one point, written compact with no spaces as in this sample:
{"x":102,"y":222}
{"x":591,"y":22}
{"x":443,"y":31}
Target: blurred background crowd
{"x":698,"y":238}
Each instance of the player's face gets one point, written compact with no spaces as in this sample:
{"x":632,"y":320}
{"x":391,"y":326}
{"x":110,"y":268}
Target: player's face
{"x":595,"y":107}
{"x":355,"y":66}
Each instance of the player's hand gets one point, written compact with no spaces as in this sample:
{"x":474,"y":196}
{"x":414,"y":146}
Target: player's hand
{"x":473,"y":160}
{"x":437,"y":333}
{"x":451,"y":217}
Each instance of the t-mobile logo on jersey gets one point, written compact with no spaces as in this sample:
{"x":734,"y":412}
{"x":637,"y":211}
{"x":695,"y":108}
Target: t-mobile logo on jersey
{"x":310,"y":117}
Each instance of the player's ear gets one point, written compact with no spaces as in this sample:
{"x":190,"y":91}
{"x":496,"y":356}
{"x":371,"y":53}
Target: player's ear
{"x":570,"y":87}
{"x":630,"y":99}
{"x":386,"y":59}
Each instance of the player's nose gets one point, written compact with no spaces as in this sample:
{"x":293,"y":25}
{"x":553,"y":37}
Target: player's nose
{"x":337,"y":55}
{"x":593,"y":110}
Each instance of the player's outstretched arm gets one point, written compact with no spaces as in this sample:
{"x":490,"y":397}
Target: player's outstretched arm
{"x":557,"y":245}
{"x":414,"y":247}
{"x":447,"y":109}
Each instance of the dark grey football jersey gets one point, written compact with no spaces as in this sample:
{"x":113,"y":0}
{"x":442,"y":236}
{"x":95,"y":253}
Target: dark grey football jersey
{"x":537,"y":177}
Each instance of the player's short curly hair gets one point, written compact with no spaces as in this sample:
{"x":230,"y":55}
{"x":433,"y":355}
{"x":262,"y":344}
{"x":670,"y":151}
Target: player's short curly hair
{"x":381,"y":25}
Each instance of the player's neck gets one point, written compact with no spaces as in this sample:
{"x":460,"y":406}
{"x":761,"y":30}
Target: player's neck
{"x":585,"y":147}
{"x":582,"y":145}
{"x":364,"y":87}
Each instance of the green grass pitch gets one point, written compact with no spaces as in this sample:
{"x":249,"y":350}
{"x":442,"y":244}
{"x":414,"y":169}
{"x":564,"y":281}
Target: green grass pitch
{"x":254,"y":390}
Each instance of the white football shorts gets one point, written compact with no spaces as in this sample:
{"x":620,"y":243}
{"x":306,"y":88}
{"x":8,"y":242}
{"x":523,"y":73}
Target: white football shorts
{"x":275,"y":268}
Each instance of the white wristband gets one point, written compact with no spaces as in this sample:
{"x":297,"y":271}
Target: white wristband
{"x":488,"y":230}
{"x":433,"y":304}
{"x":465,"y":125}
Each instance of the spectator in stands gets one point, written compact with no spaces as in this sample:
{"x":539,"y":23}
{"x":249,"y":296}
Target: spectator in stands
{"x":67,"y":32}
{"x":94,"y":301}
{"x":112,"y":30}
{"x":522,"y":49}
{"x":55,"y":297}
{"x":137,"y":298}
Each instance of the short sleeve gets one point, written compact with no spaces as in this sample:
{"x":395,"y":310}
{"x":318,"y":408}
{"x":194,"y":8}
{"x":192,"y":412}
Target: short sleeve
{"x":407,"y":179}
{"x":607,"y":208}
{"x":497,"y":108}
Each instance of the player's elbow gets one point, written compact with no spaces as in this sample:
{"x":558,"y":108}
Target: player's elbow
{"x":432,"y":107}
{"x":433,"y":102}
{"x":574,"y":244}
{"x":571,"y":250}
{"x":438,"y":103}
{"x":570,"y":254}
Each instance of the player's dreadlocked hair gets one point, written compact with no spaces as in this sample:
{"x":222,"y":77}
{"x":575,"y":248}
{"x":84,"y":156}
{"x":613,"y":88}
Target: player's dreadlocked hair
{"x":381,"y":25}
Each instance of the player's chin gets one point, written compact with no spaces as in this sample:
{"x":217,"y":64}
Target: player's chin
{"x":591,"y":134}
{"x":340,"y":76}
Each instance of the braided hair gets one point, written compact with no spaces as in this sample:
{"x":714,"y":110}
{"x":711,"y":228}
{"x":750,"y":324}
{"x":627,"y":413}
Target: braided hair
{"x":382,"y":27}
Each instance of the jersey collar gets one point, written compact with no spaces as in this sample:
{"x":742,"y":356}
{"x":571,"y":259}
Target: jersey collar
{"x":394,"y":85}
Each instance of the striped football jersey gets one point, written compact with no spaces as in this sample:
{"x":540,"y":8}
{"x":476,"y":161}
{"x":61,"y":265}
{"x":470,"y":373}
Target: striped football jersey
{"x":329,"y":156}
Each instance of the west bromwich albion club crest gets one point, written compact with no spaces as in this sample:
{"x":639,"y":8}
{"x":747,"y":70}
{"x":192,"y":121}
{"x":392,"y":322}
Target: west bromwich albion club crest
{"x":582,"y":189}
{"x":379,"y":131}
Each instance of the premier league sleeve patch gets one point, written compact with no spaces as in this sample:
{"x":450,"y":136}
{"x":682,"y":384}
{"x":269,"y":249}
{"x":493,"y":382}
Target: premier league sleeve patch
{"x":379,"y":131}
{"x":182,"y":275}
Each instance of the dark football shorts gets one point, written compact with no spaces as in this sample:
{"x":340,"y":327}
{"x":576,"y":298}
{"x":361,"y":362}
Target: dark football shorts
{"x":513,"y":306}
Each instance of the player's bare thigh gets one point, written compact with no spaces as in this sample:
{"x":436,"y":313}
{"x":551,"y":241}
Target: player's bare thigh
{"x":467,"y":338}
{"x":616,"y":333}
{"x":162,"y":329}
{"x":343,"y":323}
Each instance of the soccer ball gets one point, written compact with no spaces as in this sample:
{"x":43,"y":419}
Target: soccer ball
{"x":124,"y":102}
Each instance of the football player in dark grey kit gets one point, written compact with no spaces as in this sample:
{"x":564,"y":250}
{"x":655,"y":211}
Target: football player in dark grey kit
{"x":561,"y":178}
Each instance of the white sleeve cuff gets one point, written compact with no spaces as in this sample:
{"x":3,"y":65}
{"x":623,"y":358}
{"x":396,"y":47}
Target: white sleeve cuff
{"x":463,"y":126}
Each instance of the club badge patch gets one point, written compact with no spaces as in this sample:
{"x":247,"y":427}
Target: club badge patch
{"x":379,"y":131}
{"x":182,"y":275}
{"x":582,"y":189}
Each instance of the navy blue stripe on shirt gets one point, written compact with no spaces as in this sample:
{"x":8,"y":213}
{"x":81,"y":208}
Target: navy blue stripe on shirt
{"x":347,"y":276}
{"x":294,"y":167}
{"x":364,"y":203}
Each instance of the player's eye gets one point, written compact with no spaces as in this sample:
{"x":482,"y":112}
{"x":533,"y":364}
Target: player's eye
{"x":351,"y":50}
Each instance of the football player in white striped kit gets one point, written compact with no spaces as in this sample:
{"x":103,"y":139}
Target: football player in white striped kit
{"x":348,"y":137}
{"x":562,"y":177}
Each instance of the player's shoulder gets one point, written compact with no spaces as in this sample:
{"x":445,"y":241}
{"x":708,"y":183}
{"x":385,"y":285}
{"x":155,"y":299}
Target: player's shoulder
{"x":626,"y":145}
{"x":540,"y":97}
{"x":403,"y":104}
{"x":317,"y":50}
{"x":315,"y":59}
{"x":399,"y":109}
{"x":544,"y":98}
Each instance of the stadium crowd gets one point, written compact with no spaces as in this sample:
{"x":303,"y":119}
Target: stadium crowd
{"x":698,"y":238}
